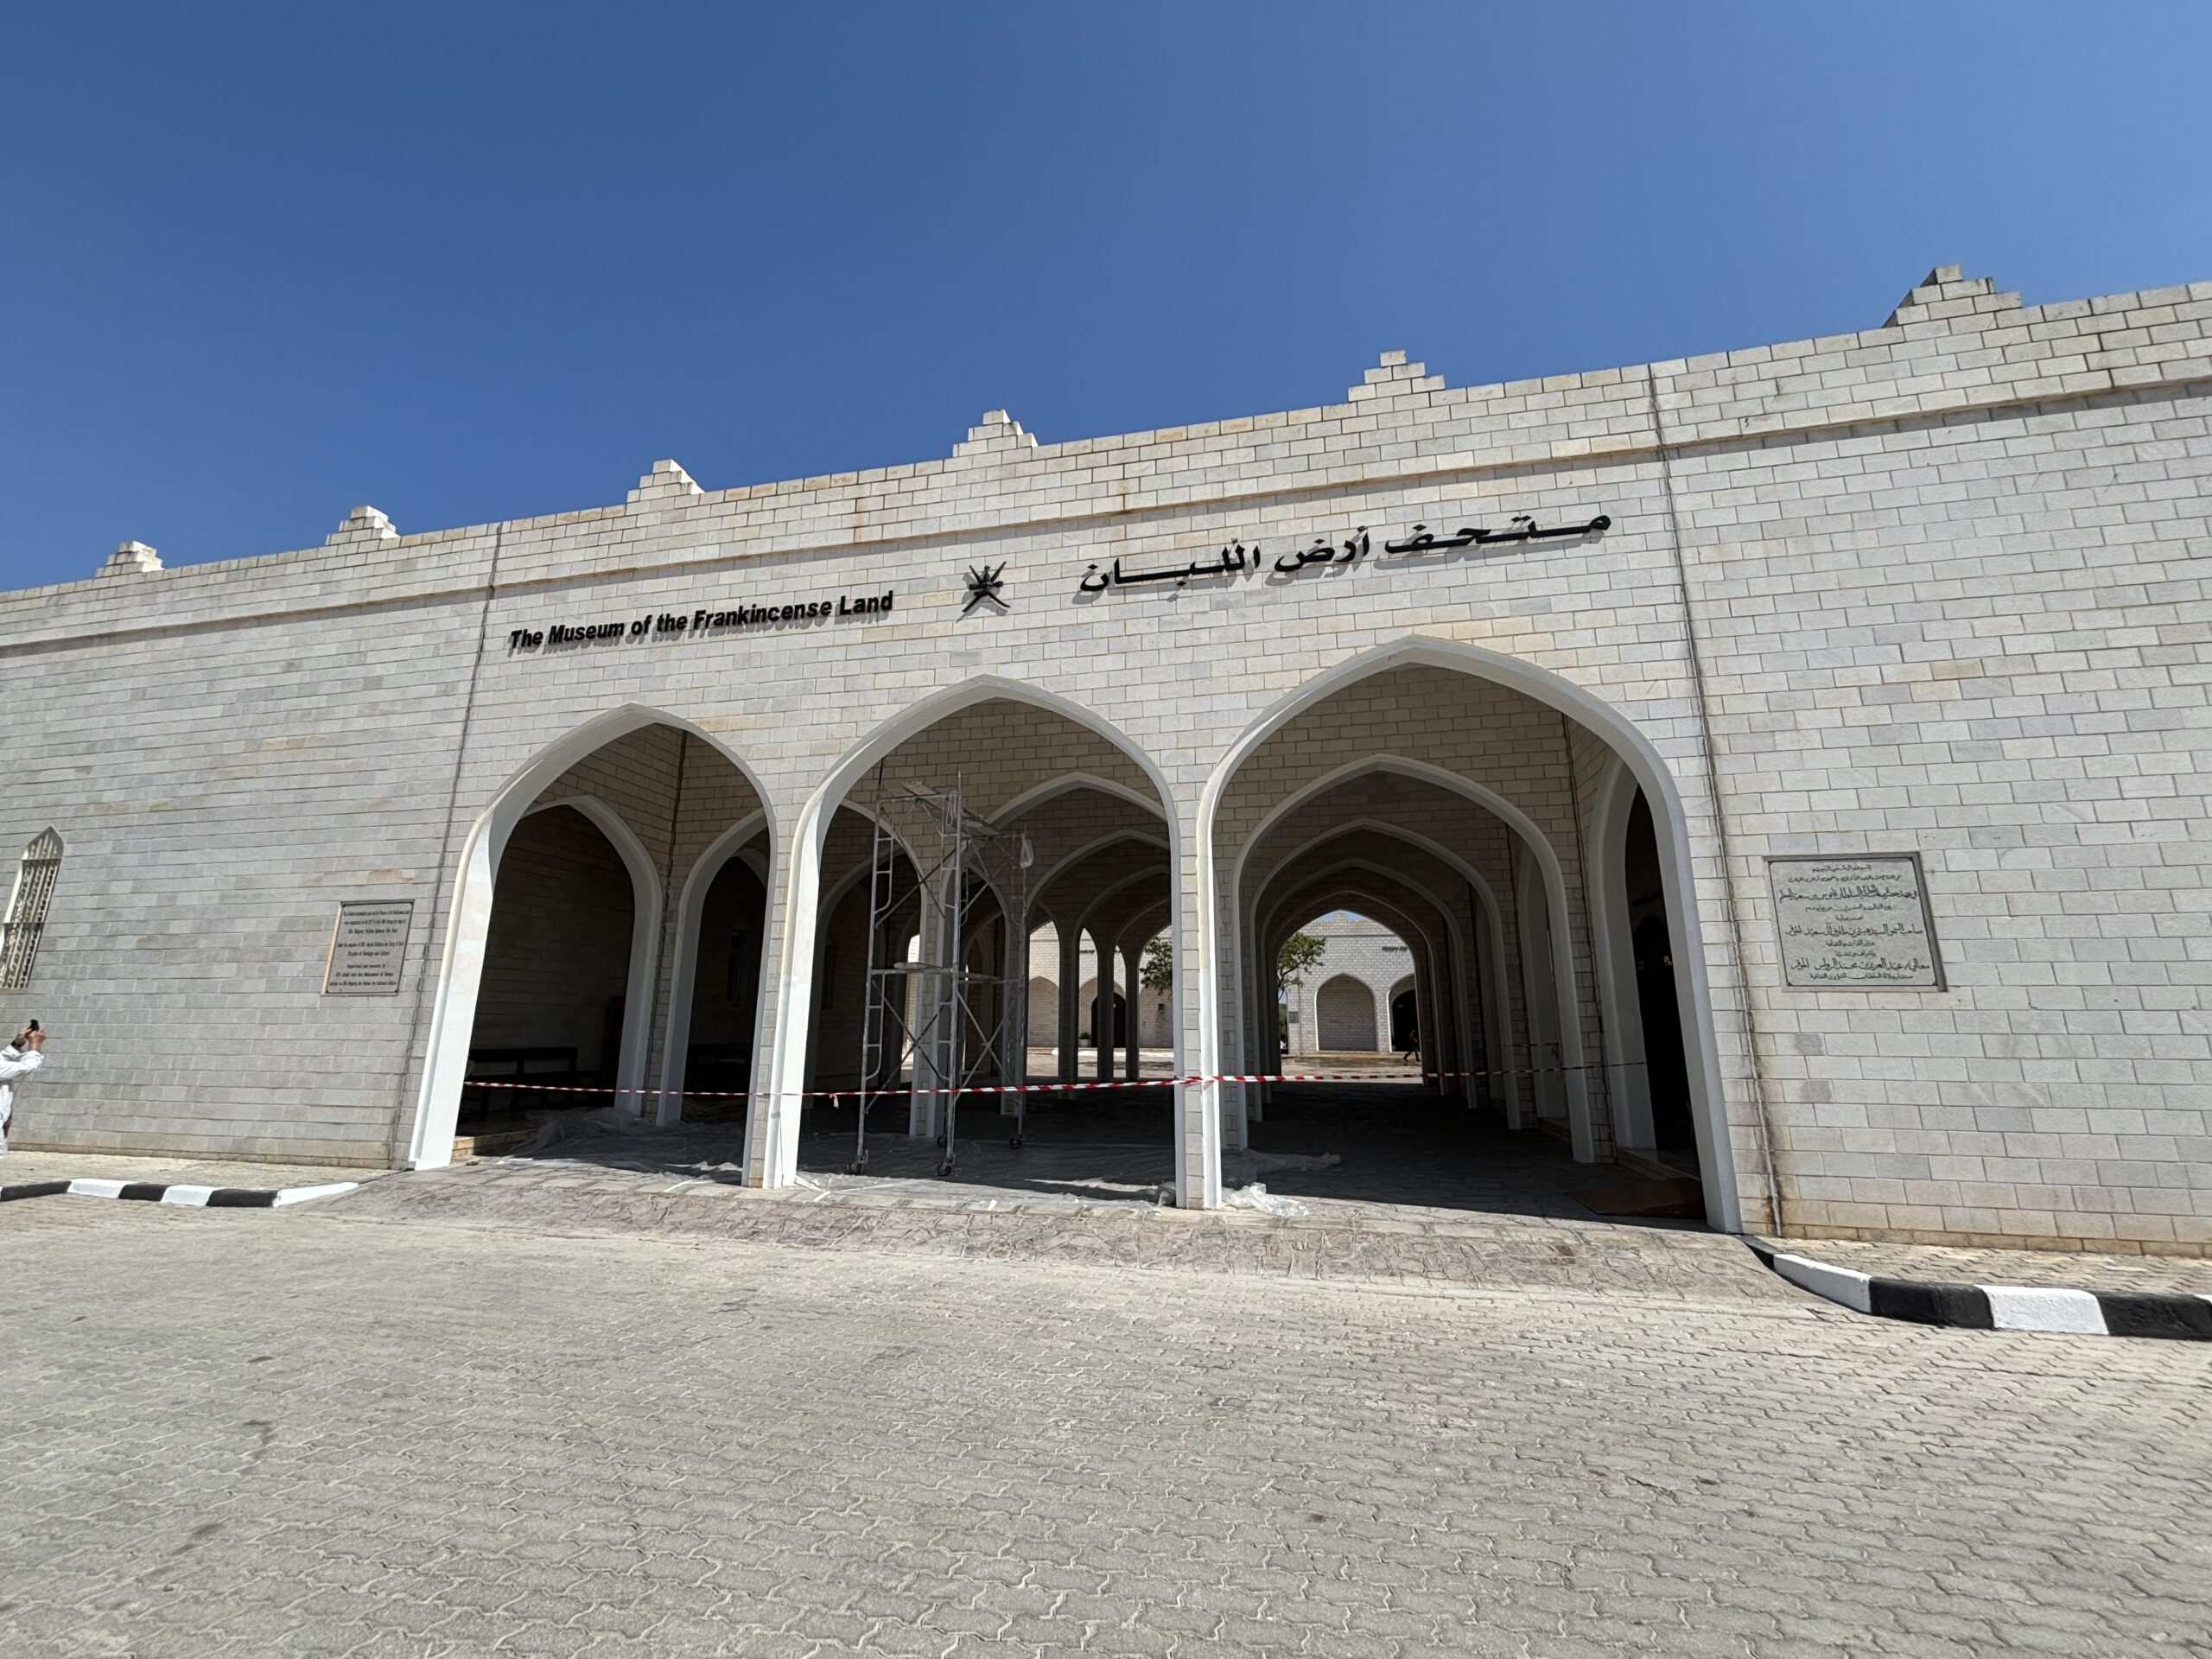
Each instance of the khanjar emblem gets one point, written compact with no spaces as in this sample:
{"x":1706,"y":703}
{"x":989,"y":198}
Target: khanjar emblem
{"x":984,"y":582}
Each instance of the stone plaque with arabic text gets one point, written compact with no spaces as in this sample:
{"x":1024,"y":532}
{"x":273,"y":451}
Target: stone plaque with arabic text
{"x":1855,"y":922}
{"x":369,"y":948}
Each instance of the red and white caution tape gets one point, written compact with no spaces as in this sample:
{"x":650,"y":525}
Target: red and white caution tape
{"x":1052,"y":1088}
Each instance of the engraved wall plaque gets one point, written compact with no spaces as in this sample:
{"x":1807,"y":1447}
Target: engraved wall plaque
{"x":1855,"y":922}
{"x":368,"y":948}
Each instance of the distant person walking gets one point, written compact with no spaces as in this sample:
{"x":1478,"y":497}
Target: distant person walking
{"x":19,"y":1059}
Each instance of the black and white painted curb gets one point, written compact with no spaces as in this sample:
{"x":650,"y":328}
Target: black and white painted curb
{"x":197,"y":1197}
{"x":1997,"y":1307}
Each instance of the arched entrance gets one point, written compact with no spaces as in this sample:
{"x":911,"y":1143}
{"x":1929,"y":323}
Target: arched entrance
{"x":531,"y":930}
{"x":1114,"y":1029}
{"x":1500,"y":766}
{"x":1088,"y":814}
{"x":557,"y":956}
{"x":714,"y":999}
{"x":1405,"y":1019}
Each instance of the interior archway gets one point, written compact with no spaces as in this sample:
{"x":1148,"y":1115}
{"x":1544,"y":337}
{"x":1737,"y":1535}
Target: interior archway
{"x":1513,"y":761}
{"x":663,"y":796}
{"x":1060,"y":813}
{"x":1405,"y":1018}
{"x":557,"y":955}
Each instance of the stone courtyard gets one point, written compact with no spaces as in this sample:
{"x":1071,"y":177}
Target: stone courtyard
{"x":552,"y":1407}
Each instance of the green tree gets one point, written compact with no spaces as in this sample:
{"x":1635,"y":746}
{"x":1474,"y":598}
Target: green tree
{"x":1300,"y":954}
{"x":1157,"y":971}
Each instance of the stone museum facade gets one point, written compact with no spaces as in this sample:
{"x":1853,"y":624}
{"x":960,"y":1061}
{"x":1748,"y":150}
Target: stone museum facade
{"x":1794,"y":759}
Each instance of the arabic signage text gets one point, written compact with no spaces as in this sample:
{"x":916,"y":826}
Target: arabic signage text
{"x":1235,"y":559}
{"x":1854,"y":923}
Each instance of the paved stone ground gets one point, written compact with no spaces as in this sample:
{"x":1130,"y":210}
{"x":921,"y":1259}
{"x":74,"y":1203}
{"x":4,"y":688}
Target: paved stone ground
{"x":1477,"y":1206}
{"x":520,"y":1199}
{"x":315,"y":1432}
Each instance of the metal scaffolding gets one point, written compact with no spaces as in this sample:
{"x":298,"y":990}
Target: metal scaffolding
{"x":933,"y":1027}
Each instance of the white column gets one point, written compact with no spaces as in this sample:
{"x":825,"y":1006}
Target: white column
{"x":1205,"y":985}
{"x":1132,"y":975}
{"x":785,"y":1009}
{"x":1266,"y":1045}
{"x":1014,"y":1027}
{"x":1102,"y":1013}
{"x":1070,"y":998}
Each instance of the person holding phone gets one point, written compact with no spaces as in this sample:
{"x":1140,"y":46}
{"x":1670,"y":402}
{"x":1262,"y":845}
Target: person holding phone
{"x":19,"y":1059}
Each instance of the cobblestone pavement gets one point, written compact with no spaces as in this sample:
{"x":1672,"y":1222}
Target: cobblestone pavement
{"x":318,"y":1432}
{"x":1937,"y":1264}
{"x":577,"y":1199}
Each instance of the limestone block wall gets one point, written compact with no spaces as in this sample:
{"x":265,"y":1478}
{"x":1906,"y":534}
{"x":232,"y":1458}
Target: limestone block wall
{"x":1933,"y":585}
{"x":228,"y":752}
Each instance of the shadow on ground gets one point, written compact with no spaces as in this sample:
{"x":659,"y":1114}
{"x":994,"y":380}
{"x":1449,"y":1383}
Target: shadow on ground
{"x":1346,"y":1150}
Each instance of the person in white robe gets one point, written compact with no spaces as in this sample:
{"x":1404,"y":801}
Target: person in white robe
{"x":19,"y":1059}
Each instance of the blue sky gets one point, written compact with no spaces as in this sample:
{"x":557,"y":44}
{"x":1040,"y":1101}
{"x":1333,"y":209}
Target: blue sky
{"x":468,"y":262}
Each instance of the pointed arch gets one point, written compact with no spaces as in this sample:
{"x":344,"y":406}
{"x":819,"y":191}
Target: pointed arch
{"x":1487,"y":948}
{"x":1452,"y":951}
{"x":645,"y":936}
{"x":468,"y":914}
{"x":772,"y":1154}
{"x":683,"y":973}
{"x":1613,"y":955}
{"x":1090,"y":849}
{"x":1551,"y":875}
{"x":1670,"y":824}
{"x":1030,"y":799}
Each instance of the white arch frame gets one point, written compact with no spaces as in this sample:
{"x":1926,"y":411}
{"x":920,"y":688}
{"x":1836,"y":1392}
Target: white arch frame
{"x":682,"y":978}
{"x":773,"y":1124}
{"x":1614,"y":953}
{"x":1670,"y":826}
{"x":31,"y":900}
{"x":468,"y":916}
{"x":1552,"y":1018}
{"x":1488,"y":946}
{"x":1390,"y":992}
